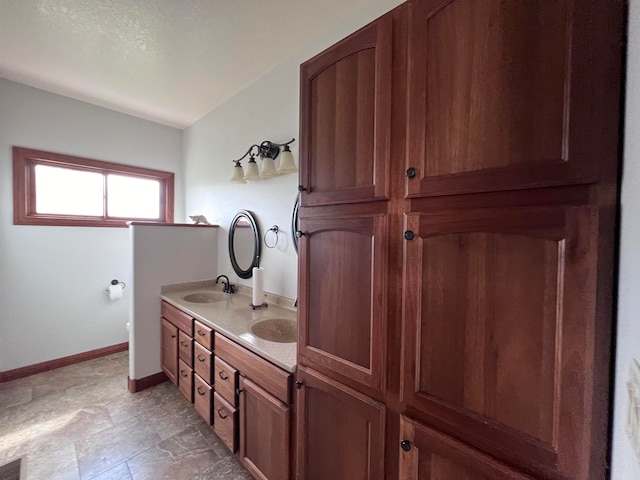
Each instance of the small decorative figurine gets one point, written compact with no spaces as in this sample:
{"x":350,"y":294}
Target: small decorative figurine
{"x":197,"y":219}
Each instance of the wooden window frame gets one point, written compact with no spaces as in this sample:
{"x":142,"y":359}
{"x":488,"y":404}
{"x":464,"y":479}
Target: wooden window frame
{"x":24,"y":193}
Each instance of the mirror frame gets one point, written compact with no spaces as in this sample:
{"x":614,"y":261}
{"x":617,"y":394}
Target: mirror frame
{"x":244,"y":214}
{"x":294,"y":223}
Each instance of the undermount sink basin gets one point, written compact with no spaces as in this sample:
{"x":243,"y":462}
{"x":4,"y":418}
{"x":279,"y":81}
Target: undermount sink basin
{"x":279,"y":330}
{"x":204,"y":297}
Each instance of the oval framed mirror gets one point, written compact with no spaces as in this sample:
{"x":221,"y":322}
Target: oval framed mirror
{"x":244,"y":244}
{"x":294,"y":223}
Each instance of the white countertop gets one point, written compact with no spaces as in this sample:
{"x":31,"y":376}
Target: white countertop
{"x":233,"y":317}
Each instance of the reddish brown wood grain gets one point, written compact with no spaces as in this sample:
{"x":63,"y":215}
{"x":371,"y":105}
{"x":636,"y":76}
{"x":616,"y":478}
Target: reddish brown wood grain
{"x":180,"y":319}
{"x":203,"y":398}
{"x":433,"y":456}
{"x":342,"y":318}
{"x":169,"y":350}
{"x":509,"y":111}
{"x":273,"y":379}
{"x":225,"y":421}
{"x":340,"y":431}
{"x":346,"y":103}
{"x":24,"y":193}
{"x":506,"y":364}
{"x":501,"y":94}
{"x":265,"y":433}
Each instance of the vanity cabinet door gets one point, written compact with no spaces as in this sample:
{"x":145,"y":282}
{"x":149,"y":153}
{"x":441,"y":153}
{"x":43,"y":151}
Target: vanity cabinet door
{"x":265,"y":426}
{"x":427,"y":454}
{"x":345,"y":96}
{"x":501,"y":334}
{"x":343,"y":290}
{"x":340,"y":431}
{"x":502,"y":95}
{"x":169,"y":352}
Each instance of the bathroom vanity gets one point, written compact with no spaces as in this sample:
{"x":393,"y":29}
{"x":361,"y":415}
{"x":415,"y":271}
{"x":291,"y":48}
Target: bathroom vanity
{"x":235,"y":364}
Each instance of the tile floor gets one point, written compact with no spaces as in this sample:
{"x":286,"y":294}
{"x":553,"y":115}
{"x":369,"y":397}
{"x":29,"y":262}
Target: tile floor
{"x":80,"y":422}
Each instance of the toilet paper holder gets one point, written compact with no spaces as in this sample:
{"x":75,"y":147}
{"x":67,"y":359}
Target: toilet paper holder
{"x":116,"y":282}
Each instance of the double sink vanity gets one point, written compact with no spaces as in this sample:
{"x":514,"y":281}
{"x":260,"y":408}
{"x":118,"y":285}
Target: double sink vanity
{"x":236,"y":365}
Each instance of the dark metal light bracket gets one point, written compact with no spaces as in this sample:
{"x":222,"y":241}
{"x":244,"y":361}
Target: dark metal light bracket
{"x":265,"y":149}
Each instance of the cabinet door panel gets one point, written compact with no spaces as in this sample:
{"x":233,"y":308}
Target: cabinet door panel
{"x":169,"y":352}
{"x":342,"y":312}
{"x":340,"y":431}
{"x":498,"y":330}
{"x":430,"y":455}
{"x":345,"y":118}
{"x":500,"y":94}
{"x":265,"y":426}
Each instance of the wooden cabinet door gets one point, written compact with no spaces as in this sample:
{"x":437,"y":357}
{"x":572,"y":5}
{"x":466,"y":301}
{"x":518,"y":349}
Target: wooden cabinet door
{"x":169,"y":351}
{"x":500,"y":334}
{"x":343,"y":290}
{"x":345,"y":102}
{"x":340,"y":431}
{"x":504,"y":95}
{"x":426,"y":454}
{"x":265,"y":431}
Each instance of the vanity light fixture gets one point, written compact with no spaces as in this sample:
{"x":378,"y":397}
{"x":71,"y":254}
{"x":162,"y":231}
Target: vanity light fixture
{"x":268,"y":151}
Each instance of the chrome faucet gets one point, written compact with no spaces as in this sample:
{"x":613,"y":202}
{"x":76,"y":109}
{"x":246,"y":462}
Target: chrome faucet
{"x":227,"y":287}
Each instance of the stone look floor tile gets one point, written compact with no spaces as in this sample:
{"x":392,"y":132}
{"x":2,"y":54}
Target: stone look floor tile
{"x":119,"y":472}
{"x":228,"y":468}
{"x":55,"y":462}
{"x":107,"y":448}
{"x":80,"y":422}
{"x":12,"y":396}
{"x":181,"y":456}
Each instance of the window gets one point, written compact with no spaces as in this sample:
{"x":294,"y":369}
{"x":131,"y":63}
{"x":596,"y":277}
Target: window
{"x":55,"y":189}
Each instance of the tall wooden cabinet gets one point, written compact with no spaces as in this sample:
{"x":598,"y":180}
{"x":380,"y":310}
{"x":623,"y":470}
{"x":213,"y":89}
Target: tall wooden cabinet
{"x":457,"y":250}
{"x":342,"y":304}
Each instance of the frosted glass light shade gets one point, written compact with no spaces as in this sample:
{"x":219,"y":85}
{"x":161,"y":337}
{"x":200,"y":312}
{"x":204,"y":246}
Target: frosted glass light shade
{"x":287,"y":164}
{"x":268,"y":168}
{"x":252,"y":171}
{"x":238,"y":174}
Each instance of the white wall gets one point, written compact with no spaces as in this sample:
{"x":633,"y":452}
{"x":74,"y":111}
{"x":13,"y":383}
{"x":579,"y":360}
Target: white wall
{"x":53,"y":279}
{"x":266,"y":110}
{"x":625,"y":464}
{"x":163,"y":255}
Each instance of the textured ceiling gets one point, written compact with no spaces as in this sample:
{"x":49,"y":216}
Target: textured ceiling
{"x":170,"y":61}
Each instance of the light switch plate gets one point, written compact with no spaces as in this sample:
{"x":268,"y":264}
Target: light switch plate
{"x":633,"y":412}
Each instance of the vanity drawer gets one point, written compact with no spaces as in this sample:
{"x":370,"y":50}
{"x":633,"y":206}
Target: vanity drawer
{"x":185,"y":348}
{"x":225,"y":421}
{"x":273,"y":379}
{"x":203,"y":397}
{"x":203,"y":335}
{"x":226,"y":378}
{"x":203,"y":362}
{"x":180,"y":319}
{"x":185,"y":380}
